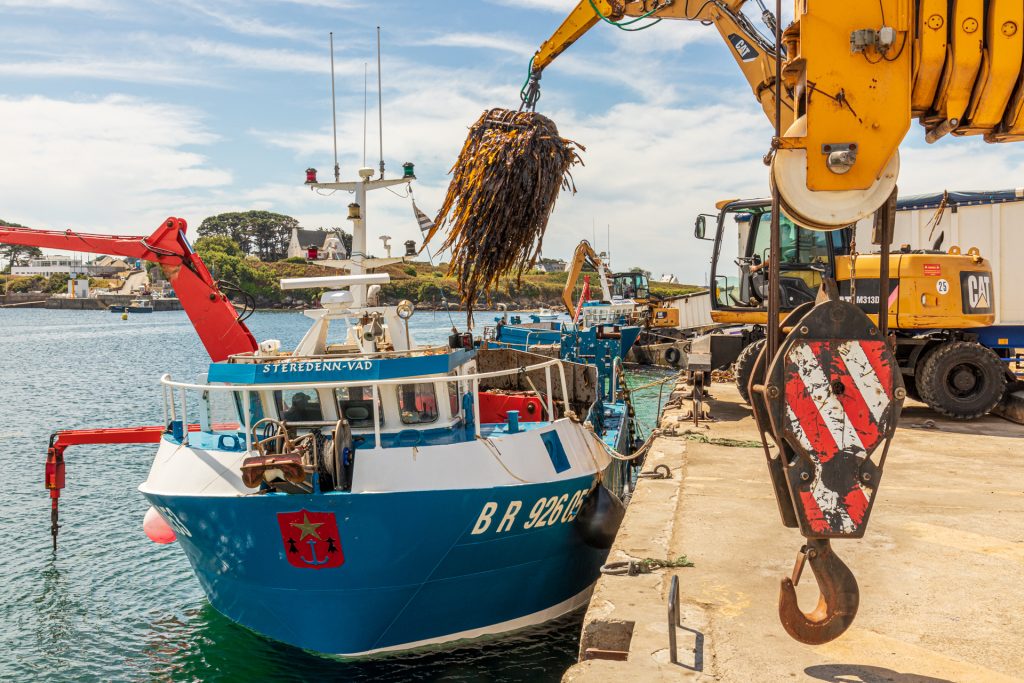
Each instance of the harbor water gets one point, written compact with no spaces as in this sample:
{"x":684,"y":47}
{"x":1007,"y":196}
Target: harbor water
{"x":112,"y":606}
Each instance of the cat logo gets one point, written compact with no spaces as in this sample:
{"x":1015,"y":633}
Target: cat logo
{"x":977,"y":292}
{"x":744,"y":49}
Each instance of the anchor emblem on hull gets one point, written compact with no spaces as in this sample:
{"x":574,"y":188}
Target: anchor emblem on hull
{"x":311,"y":539}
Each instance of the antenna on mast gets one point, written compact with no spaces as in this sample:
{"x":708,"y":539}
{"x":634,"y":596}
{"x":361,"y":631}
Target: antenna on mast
{"x":334,"y":115}
{"x":366,"y":70}
{"x":380,"y":108}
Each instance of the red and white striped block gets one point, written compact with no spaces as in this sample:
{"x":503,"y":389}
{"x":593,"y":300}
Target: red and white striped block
{"x":838,"y":395}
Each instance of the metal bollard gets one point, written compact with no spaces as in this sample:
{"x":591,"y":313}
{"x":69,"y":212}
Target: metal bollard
{"x":673,"y":618}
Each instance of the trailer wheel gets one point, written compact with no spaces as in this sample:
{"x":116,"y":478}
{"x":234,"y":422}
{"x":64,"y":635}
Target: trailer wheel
{"x":962,"y":380}
{"x":744,"y":367}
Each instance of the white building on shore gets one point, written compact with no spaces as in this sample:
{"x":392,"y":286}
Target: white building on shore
{"x":53,"y":264}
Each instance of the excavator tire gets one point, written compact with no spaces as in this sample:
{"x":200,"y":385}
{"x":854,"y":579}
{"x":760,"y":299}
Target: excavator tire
{"x":910,"y":384}
{"x":962,"y":380}
{"x":744,"y":367}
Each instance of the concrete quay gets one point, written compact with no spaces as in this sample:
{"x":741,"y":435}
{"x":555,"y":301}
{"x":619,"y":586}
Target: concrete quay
{"x":941,"y":568}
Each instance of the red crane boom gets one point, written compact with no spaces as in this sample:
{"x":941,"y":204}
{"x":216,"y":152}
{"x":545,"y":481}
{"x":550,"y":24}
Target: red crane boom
{"x":212,"y":315}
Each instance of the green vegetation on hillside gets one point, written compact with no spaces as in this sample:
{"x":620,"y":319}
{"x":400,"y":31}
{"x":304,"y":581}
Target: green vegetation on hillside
{"x":47,"y":284}
{"x":419,"y":282}
{"x":422,"y":283}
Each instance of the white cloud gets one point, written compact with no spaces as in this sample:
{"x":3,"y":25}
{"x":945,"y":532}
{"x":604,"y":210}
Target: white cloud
{"x":563,"y":6}
{"x":268,"y":59}
{"x":100,"y":164}
{"x":490,"y":41}
{"x":143,"y":71}
{"x":249,"y":26}
{"x":89,"y":5}
{"x":327,"y":4}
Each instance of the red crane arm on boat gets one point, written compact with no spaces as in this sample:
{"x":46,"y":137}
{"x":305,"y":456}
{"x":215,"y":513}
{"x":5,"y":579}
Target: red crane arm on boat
{"x":59,"y":441}
{"x":211,"y":313}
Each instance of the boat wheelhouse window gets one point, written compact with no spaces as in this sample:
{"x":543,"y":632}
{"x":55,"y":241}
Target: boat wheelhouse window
{"x":255,"y":407}
{"x":299,"y":405}
{"x":220,"y":411}
{"x":356,"y":405}
{"x":454,"y":400}
{"x":417,"y":403}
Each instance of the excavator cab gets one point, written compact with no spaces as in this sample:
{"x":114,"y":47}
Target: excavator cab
{"x":740,"y":294}
{"x":633,"y":285}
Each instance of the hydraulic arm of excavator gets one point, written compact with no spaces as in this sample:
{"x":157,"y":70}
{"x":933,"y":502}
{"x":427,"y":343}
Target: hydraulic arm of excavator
{"x":753,"y":53}
{"x":584,"y":252}
{"x":211,"y":313}
{"x":853,"y":75}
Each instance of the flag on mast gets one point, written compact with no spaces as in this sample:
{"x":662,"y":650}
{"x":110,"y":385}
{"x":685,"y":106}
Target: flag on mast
{"x":426,"y":225}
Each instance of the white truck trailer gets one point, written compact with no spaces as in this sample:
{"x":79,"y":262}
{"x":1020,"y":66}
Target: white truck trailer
{"x":993,"y":222}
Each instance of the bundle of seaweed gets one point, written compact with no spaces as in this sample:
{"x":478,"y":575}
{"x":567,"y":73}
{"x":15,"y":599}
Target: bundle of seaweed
{"x":503,"y":189}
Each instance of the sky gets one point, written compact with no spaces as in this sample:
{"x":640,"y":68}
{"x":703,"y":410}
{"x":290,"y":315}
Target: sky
{"x":115,"y":114}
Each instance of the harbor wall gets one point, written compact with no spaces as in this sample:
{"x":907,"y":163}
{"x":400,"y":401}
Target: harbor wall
{"x":96,"y":303}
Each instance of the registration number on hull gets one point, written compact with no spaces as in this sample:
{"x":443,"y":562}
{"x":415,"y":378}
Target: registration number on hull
{"x":545,"y":511}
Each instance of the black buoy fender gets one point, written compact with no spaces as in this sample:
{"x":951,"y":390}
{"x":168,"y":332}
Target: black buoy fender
{"x":599,"y":517}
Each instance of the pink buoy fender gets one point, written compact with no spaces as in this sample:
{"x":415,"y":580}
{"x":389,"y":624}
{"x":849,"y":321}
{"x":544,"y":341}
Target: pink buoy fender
{"x":157,"y":528}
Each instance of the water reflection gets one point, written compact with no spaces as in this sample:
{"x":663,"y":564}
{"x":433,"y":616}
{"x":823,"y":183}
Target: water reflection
{"x":205,"y":645}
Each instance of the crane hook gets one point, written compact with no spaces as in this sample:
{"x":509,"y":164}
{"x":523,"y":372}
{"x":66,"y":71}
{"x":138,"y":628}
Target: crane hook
{"x":837,"y":604}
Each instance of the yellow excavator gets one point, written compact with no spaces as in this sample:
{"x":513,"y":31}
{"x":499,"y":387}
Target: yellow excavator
{"x":853,"y":74}
{"x":937,"y":302}
{"x":623,"y":295}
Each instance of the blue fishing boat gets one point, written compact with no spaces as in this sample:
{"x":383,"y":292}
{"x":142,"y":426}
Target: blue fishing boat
{"x":351,"y":498}
{"x":363,"y":493}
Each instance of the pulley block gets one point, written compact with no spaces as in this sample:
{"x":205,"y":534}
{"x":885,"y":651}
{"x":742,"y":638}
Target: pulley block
{"x":833,"y":394}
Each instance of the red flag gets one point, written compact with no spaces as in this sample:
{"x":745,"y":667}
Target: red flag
{"x":584,"y":297}
{"x":311,"y":539}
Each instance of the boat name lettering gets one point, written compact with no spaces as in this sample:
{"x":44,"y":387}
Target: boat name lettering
{"x":174,"y":521}
{"x":318,"y":366}
{"x":545,"y":511}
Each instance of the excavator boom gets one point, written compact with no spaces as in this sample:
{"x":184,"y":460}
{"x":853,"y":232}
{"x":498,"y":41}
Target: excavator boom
{"x":210,"y":311}
{"x":584,"y":252}
{"x":852,"y":77}
{"x":755,"y":58}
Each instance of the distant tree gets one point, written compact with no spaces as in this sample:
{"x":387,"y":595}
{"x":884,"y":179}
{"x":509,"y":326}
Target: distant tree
{"x":15,"y":253}
{"x":218,"y":243}
{"x":261,"y":233}
{"x":637,"y":269}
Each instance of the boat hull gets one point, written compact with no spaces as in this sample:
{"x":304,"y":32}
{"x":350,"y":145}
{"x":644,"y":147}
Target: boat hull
{"x":418,"y":567}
